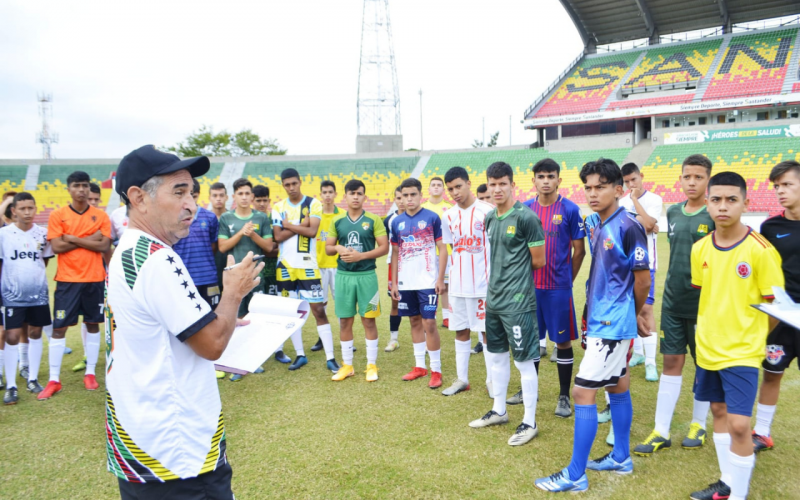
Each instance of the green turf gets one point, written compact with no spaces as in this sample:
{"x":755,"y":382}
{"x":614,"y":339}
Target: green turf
{"x":299,"y":435}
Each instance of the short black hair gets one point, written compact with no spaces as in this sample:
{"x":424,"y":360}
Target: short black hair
{"x":456,"y":173}
{"x":23,"y":196}
{"x":195,"y":186}
{"x":783,"y":167}
{"x":483,"y":188}
{"x":94,"y":188}
{"x":353,"y":185}
{"x":217,"y":186}
{"x":547,"y":165}
{"x":328,"y":183}
{"x":261,"y":191}
{"x":239,"y":183}
{"x":500,"y":169}
{"x":698,"y":161}
{"x":629,"y":168}
{"x":411,"y":183}
{"x":289,"y":173}
{"x":435,"y":179}
{"x":398,"y":189}
{"x":78,"y":176}
{"x":728,"y":179}
{"x":606,"y":168}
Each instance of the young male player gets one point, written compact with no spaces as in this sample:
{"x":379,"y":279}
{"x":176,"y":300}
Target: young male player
{"x":261,"y":199}
{"x":731,"y":335}
{"x":619,"y":279}
{"x":95,"y":195}
{"x":783,"y":343}
{"x":516,"y":240}
{"x":218,"y":195}
{"x":394,"y":314}
{"x":436,"y":204}
{"x":79,"y":234}
{"x":687,"y":222}
{"x":295,"y":222}
{"x":417,"y":279}
{"x":358,"y":237}
{"x":483,"y":194}
{"x":646,"y":206}
{"x":24,"y":254}
{"x":326,"y":263}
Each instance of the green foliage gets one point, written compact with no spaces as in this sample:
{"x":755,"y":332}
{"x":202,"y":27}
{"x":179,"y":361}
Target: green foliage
{"x":492,"y":141}
{"x":205,"y":142}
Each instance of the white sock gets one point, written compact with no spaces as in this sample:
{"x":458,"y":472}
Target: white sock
{"x":445,"y":313}
{"x":84,"y":332}
{"x":543,"y":341}
{"x":608,"y":400}
{"x":394,"y":335}
{"x":501,"y":374}
{"x":530,"y":389}
{"x":650,"y":348}
{"x":764,"y":416}
{"x":700,"y":412}
{"x":372,"y":351}
{"x":419,"y":355}
{"x":12,"y":353}
{"x":48,"y":330}
{"x":463,"y":350}
{"x":2,"y":360}
{"x":325,"y":334}
{"x":297,"y":342}
{"x":56,"y":354}
{"x":741,"y":470}
{"x":488,"y":362}
{"x":92,"y":349}
{"x":722,"y":443}
{"x":23,"y":354}
{"x":436,"y":360}
{"x":669,"y":390}
{"x":347,"y":352}
{"x":637,"y":346}
{"x":35,"y":357}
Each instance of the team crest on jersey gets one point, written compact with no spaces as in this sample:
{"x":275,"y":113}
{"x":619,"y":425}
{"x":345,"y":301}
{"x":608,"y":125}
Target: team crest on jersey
{"x":230,"y":227}
{"x":203,"y":224}
{"x":608,"y":244}
{"x":422,"y":224}
{"x":478,"y":225}
{"x":511,"y":230}
{"x":61,"y":314}
{"x":702,"y":229}
{"x":305,"y":211}
{"x":557,"y":219}
{"x":775,"y":354}
{"x":365,"y":226}
{"x":743,"y":269}
{"x":401,"y":226}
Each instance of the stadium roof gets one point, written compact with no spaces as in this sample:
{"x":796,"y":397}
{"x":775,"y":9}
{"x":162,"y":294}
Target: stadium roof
{"x":601,"y":22}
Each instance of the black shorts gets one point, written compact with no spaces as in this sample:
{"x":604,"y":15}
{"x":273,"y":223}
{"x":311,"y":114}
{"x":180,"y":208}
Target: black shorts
{"x":783,"y":345}
{"x":15,"y":317}
{"x":215,"y":485}
{"x":210,"y":294}
{"x":78,"y":299}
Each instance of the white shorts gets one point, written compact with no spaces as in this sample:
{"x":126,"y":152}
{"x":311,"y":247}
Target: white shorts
{"x":604,"y":362}
{"x":446,"y":270}
{"x":328,"y":276}
{"x":467,"y":313}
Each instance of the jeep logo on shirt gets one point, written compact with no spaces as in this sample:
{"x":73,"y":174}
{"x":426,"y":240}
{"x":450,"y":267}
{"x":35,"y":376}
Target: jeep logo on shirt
{"x":24,"y":255}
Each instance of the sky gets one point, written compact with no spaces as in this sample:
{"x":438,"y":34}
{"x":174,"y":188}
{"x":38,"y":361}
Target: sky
{"x":124,"y":74}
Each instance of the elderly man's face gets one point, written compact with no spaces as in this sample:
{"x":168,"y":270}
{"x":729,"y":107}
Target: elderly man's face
{"x":171,"y":211}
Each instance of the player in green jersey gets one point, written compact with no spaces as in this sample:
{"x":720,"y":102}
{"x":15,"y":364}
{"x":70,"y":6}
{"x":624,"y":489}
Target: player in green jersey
{"x":687,"y":223}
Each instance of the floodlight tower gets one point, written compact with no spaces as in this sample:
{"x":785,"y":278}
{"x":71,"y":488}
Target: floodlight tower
{"x":46,"y":137}
{"x":378,"y":104}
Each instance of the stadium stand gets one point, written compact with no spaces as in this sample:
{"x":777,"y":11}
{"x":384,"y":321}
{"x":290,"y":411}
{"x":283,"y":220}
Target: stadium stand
{"x":13,"y":177}
{"x":674,"y":64}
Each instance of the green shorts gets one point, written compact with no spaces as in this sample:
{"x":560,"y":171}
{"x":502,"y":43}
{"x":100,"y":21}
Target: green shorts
{"x":357,"y":291}
{"x":677,"y":333}
{"x":518,"y":330}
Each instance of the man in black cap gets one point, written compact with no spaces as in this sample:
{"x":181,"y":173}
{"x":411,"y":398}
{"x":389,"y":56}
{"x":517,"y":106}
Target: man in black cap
{"x":164,"y":422}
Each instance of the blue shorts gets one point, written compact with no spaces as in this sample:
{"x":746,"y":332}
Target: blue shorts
{"x":736,"y":386}
{"x":555,"y":313}
{"x":418,"y":303}
{"x":651,"y":296}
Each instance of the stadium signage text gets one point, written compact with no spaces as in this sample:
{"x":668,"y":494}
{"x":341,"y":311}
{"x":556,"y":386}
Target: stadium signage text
{"x":731,"y":135}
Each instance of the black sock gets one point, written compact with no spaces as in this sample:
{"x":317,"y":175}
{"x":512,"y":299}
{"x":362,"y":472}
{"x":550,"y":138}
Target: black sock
{"x":394,"y":323}
{"x":536,"y":364}
{"x":565,"y":361}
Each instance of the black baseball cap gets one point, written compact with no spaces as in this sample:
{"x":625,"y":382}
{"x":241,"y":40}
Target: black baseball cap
{"x":146,"y":162}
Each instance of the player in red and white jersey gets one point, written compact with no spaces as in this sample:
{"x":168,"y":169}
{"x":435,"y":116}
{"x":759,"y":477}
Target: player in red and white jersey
{"x":463,"y":228}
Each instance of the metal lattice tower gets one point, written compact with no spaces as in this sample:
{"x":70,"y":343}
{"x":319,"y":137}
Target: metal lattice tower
{"x":378,"y":103}
{"x":46,"y":137}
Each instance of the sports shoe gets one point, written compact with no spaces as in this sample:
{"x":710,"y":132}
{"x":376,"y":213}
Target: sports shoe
{"x":554,"y":356}
{"x":90,"y":383}
{"x":80,"y":366}
{"x":67,"y":350}
{"x":652,"y":444}
{"x":343,"y":372}
{"x":696,"y":437}
{"x":34,"y":387}
{"x":523,"y":434}
{"x":651,"y":373}
{"x":260,"y":369}
{"x":491,"y":418}
{"x":607,"y":463}
{"x":716,"y":491}
{"x":235,"y":377}
{"x":636,"y":360}
{"x":458,"y":386}
{"x":11,"y":396}
{"x":516,"y":399}
{"x":24,"y":371}
{"x":761,"y":443}
{"x":318,"y":346}
{"x":415,"y":373}
{"x":219,"y":374}
{"x":560,"y":481}
{"x":372,"y":373}
{"x":446,"y":322}
{"x":299,"y":362}
{"x":610,"y":438}
{"x":2,"y":382}
{"x":49,"y":391}
{"x":478,"y":348}
{"x":435,"y":381}
{"x":605,"y":415}
{"x":542,"y":352}
{"x":392,"y":346}
{"x":563,"y":408}
{"x":333,"y":366}
{"x":280,"y":357}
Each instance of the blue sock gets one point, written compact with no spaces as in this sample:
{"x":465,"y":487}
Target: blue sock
{"x":621,"y":418}
{"x":585,"y":432}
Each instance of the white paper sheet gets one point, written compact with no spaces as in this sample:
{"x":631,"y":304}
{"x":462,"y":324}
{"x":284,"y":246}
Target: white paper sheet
{"x":782,"y":308}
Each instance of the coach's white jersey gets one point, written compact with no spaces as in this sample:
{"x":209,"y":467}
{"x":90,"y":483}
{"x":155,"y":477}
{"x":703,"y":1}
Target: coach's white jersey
{"x":469,"y":263}
{"x":24,"y":278}
{"x":652,"y":204}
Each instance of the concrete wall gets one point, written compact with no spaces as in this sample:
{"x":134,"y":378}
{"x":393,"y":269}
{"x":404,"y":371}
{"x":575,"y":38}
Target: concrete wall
{"x":607,"y":141}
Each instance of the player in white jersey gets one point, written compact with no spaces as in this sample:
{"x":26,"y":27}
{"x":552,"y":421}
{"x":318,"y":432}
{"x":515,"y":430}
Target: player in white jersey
{"x":394,"y":315}
{"x":463,"y":228}
{"x":646,"y":206}
{"x":24,"y":253}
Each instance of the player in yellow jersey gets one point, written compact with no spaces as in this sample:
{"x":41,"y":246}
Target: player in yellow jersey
{"x":326,"y":263}
{"x":437,"y":205}
{"x":733,"y":267}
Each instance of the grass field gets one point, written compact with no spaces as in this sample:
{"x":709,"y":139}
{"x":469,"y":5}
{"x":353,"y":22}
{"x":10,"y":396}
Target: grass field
{"x":299,"y":435}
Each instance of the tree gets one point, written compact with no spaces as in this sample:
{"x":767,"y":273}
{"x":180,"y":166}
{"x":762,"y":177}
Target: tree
{"x":492,"y":141}
{"x":205,"y":142}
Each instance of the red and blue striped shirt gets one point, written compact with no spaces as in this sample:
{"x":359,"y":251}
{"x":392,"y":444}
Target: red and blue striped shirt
{"x":562,"y":222}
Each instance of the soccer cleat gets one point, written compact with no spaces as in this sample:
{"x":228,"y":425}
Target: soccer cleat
{"x":636,"y":360}
{"x":458,"y":386}
{"x":318,"y":346}
{"x":563,"y":408}
{"x":24,"y":371}
{"x":761,"y":443}
{"x":90,"y":383}
{"x":607,"y":463}
{"x":696,"y":437}
{"x":491,"y":418}
{"x":523,"y":434}
{"x":446,"y":322}
{"x":477,"y":349}
{"x":560,"y":481}
{"x":542,"y":352}
{"x":343,"y":372}
{"x":554,"y":356}
{"x":280,"y":357}
{"x":604,"y":416}
{"x":67,"y":350}
{"x":610,"y":438}
{"x":651,"y":373}
{"x":11,"y":397}
{"x":299,"y":362}
{"x":80,"y":366}
{"x":235,"y":377}
{"x":260,"y":369}
{"x":436,"y":380}
{"x":715,"y":491}
{"x":34,"y":386}
{"x":372,"y":373}
{"x":49,"y":391}
{"x":332,"y":365}
{"x":393,"y":345}
{"x":2,"y":382}
{"x":219,"y":374}
{"x":652,"y":444}
{"x":516,"y":399}
{"x":415,"y":373}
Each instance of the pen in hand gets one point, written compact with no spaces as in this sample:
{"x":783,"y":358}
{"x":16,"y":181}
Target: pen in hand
{"x":255,"y":259}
